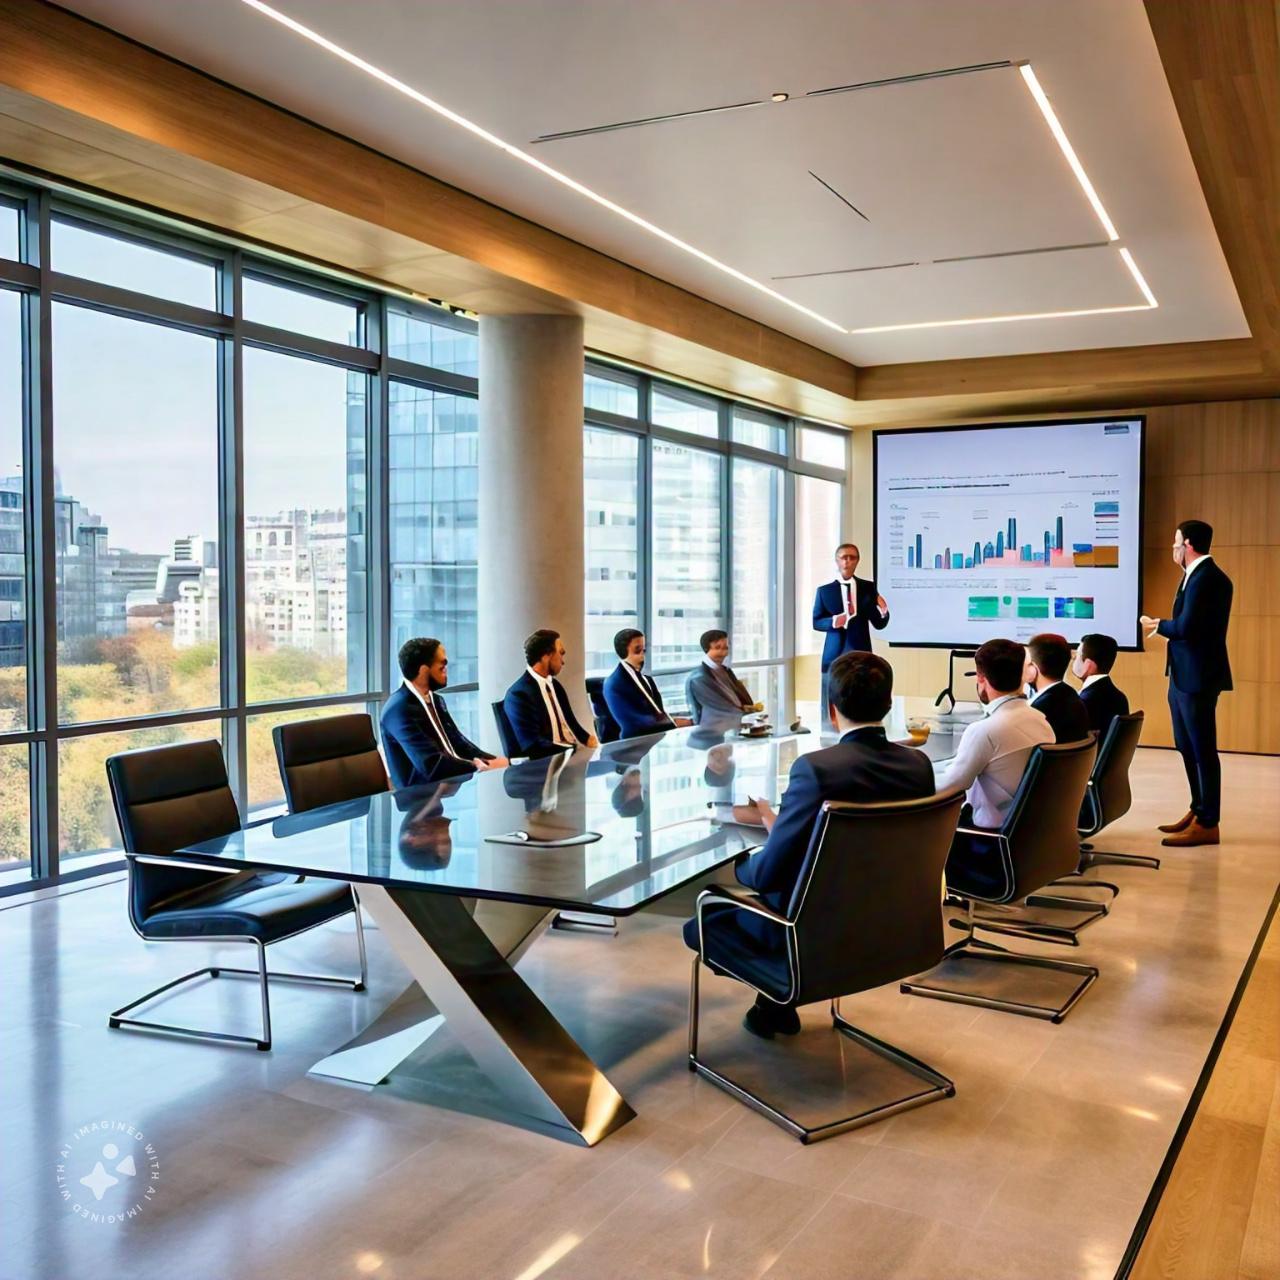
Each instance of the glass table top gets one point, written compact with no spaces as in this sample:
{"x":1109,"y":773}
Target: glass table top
{"x":658,"y":805}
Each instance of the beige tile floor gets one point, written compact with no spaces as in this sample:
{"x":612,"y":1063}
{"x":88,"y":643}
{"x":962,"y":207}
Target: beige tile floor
{"x":1037,"y":1168}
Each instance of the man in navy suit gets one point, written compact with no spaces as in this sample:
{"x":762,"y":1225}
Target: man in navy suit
{"x":846,"y":609}
{"x":631,"y":696}
{"x":1199,"y":670}
{"x":1102,"y":699}
{"x":537,"y":706}
{"x":864,"y":767}
{"x":421,"y":741}
{"x":1048,"y":657}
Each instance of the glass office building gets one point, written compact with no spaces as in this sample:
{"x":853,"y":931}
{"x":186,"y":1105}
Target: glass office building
{"x":207,"y":576}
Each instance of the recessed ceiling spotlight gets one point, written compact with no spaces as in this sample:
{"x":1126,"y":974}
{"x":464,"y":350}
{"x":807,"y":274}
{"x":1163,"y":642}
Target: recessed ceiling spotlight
{"x":525,"y":158}
{"x":779,"y":97}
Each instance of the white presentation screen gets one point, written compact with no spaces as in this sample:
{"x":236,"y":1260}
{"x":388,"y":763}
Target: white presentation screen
{"x":1010,"y":531}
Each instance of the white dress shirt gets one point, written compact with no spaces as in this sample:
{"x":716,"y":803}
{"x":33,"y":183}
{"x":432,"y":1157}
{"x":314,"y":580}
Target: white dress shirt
{"x":429,"y":706}
{"x":1093,"y":679}
{"x":848,"y":595}
{"x":1189,"y":569}
{"x":993,"y":754}
{"x":560,"y":731}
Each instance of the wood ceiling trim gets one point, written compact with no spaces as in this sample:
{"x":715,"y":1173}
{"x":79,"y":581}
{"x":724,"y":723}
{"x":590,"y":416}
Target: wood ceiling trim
{"x":56,"y":57}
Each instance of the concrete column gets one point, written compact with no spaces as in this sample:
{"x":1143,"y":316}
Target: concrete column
{"x":530,"y":505}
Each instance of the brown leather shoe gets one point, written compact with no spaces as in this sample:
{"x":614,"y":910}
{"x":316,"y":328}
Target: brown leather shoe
{"x":1181,"y":825}
{"x":1195,"y":834}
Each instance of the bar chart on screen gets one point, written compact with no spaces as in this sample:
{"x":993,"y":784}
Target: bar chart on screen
{"x":1009,"y":530}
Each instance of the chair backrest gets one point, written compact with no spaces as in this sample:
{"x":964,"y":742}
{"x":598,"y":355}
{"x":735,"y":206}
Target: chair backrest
{"x":506,"y":734}
{"x":1040,"y":826}
{"x":166,"y":798}
{"x":607,"y":728}
{"x":325,"y":761}
{"x":868,"y":903}
{"x":1109,"y":782}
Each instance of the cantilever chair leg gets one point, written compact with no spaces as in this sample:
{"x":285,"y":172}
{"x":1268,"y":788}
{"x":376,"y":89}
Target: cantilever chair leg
{"x":117,"y":1020}
{"x":1089,"y":856}
{"x":937,"y":1086}
{"x":970,"y":949}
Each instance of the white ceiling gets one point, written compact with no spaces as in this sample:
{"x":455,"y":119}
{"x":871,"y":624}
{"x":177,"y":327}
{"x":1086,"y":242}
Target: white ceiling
{"x":941,"y":168}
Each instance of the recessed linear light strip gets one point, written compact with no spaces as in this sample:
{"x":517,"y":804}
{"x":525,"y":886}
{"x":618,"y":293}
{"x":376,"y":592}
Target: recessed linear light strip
{"x":421,"y":98}
{"x":1149,"y":305}
{"x":1064,"y":143}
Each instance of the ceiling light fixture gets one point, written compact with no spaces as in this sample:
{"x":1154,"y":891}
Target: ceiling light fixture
{"x":779,"y":97}
{"x":1138,"y":280}
{"x":421,"y":98}
{"x":1064,"y":143}
{"x":1029,"y":315}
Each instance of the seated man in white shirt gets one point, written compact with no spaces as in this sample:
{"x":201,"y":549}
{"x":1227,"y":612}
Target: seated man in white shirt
{"x":994,"y":751}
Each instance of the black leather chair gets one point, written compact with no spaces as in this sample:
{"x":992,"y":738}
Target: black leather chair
{"x":1107,"y":796}
{"x":607,"y":728}
{"x":506,"y":734}
{"x":1036,"y":846}
{"x":167,"y":798}
{"x":866,"y":910}
{"x":327,"y":761}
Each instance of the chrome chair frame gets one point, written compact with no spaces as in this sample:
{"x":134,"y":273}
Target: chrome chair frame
{"x":1089,"y":855}
{"x":1099,"y":820}
{"x":972,"y":948}
{"x":939,"y":1086}
{"x":1011,"y":918}
{"x":117,"y":1021}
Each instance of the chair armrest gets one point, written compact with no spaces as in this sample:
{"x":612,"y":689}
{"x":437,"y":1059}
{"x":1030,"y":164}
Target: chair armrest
{"x":992,"y":833}
{"x":740,"y":897}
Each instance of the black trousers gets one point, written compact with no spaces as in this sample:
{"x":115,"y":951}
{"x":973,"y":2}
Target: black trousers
{"x":1195,"y":734}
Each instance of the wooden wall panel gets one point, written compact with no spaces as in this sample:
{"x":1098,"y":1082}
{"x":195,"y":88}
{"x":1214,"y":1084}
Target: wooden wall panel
{"x":1218,"y":462}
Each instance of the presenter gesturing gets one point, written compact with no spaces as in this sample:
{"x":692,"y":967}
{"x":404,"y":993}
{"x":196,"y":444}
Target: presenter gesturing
{"x":846,"y":609}
{"x":1198,"y":671}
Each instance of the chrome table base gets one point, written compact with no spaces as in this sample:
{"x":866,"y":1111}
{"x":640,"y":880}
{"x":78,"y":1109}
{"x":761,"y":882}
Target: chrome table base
{"x":462,"y":965}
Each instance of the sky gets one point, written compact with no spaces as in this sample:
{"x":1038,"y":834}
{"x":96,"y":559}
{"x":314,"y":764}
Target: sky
{"x":135,"y":404}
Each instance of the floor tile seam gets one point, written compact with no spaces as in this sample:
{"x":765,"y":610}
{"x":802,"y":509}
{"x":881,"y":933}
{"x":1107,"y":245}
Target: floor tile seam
{"x":803,"y":1226}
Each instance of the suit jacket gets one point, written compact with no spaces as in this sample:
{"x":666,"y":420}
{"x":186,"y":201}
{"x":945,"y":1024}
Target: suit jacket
{"x":1197,"y":632}
{"x":415,"y":754}
{"x":531,"y":721}
{"x":1103,"y":701}
{"x":1061,"y":706}
{"x":863,"y":767}
{"x":709,"y":697}
{"x":634,"y":713}
{"x":829,"y":604}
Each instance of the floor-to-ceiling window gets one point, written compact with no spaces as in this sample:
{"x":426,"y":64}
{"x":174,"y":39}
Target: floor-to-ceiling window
{"x":433,"y":497}
{"x":203,"y":533}
{"x":701,"y":513}
{"x":611,"y":513}
{"x":15,"y":807}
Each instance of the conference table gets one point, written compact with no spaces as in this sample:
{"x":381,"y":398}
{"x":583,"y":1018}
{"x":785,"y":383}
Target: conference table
{"x":462,"y":877}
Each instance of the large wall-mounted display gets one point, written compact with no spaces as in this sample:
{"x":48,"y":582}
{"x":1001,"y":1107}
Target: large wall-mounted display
{"x":1010,"y":530}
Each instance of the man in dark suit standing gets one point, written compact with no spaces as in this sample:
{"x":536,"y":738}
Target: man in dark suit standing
{"x":631,"y":696}
{"x":863,"y":767}
{"x":1103,"y":701}
{"x":1048,"y":657}
{"x":1199,"y":670}
{"x":537,"y":706}
{"x":421,"y":741}
{"x":846,"y":609}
